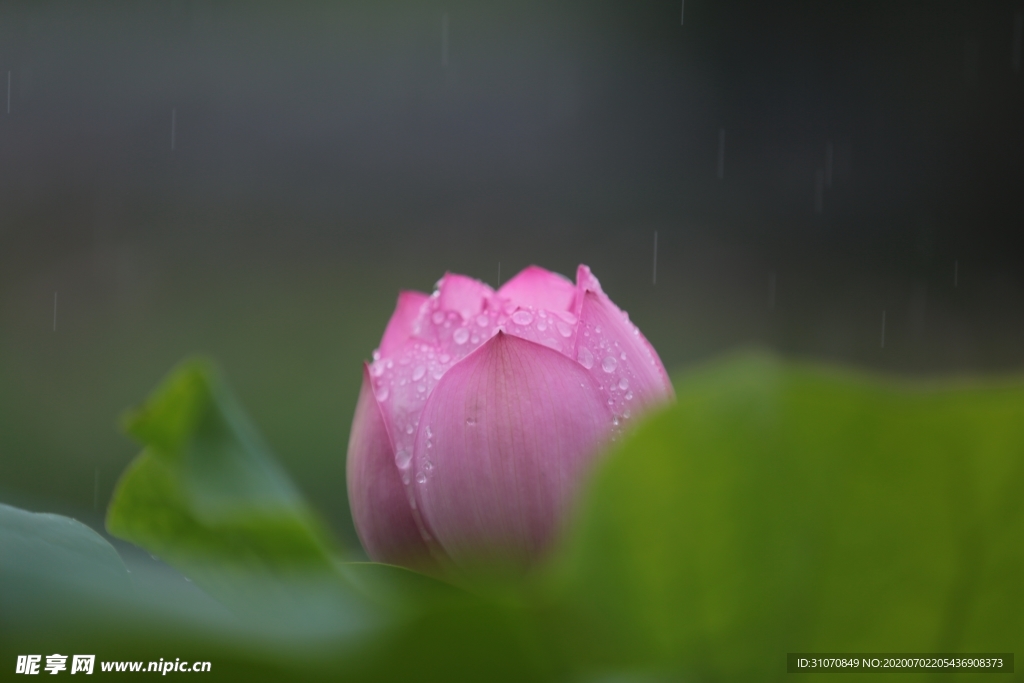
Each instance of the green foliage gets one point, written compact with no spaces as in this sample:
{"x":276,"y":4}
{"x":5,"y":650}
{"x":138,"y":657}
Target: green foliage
{"x":776,"y":507}
{"x":790,"y":508}
{"x":42,"y":549}
{"x":206,"y":496}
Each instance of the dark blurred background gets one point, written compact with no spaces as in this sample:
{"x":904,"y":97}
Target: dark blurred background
{"x":256,"y":181}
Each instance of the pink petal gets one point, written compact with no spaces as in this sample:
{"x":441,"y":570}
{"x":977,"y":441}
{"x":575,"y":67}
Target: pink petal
{"x":463,"y":294}
{"x":400,"y":326}
{"x":535,"y":287}
{"x":503,"y":443}
{"x":380,"y":508}
{"x":553,"y":329}
{"x":619,"y":358}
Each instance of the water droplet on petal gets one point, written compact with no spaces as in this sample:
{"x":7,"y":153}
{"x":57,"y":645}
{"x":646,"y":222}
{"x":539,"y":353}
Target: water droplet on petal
{"x":461,"y":336}
{"x":629,"y":396}
{"x":428,"y":466}
{"x":585,"y":357}
{"x":436,"y":374}
{"x":444,"y":358}
{"x":482,"y":320}
{"x":382,"y":394}
{"x":471,"y":421}
{"x":418,"y":373}
{"x":622,"y":355}
{"x":410,"y":429}
{"x":438,"y":317}
{"x":623,"y":384}
{"x":542,"y":326}
{"x":608,"y":364}
{"x":421,"y":478}
{"x":376,"y":356}
{"x":402,"y":458}
{"x":597,"y":330}
{"x":522,"y":317}
{"x":563,"y":329}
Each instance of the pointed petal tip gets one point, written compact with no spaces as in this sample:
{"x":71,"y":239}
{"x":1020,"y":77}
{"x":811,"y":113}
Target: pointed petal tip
{"x":537,"y":287}
{"x":400,"y":326}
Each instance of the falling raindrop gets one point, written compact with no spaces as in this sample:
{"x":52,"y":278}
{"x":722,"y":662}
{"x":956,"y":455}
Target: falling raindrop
{"x":828,"y":164}
{"x":721,"y":153}
{"x":654,"y":273}
{"x":444,"y":39}
{"x":1018,"y":33}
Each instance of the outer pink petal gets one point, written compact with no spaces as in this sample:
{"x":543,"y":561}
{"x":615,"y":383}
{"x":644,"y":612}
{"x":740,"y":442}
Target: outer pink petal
{"x":400,"y":326}
{"x":502,"y":446}
{"x":619,"y":358}
{"x":538,"y":288}
{"x":463,"y":294}
{"x":380,"y":507}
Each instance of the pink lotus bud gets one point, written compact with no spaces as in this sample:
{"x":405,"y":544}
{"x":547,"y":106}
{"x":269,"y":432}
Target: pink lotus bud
{"x":482,"y":412}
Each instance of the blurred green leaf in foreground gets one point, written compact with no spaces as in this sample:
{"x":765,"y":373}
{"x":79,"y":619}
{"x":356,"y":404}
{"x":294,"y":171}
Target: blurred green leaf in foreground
{"x":777,"y":507}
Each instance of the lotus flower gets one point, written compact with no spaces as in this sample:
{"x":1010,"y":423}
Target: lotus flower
{"x":482,"y":413}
